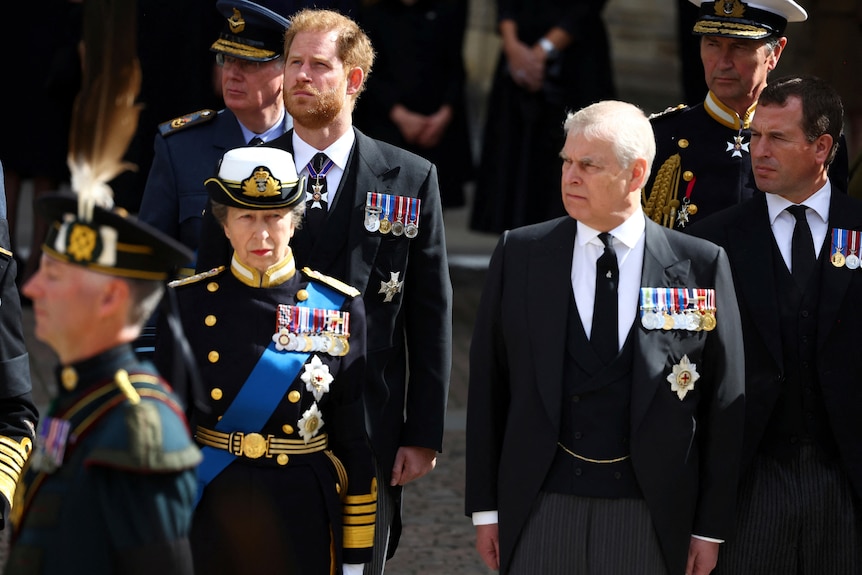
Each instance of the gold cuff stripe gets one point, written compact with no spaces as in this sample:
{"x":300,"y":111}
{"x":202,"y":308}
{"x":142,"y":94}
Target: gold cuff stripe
{"x":359,"y":537}
{"x":13,"y":467}
{"x":7,"y":488}
{"x":12,"y":456}
{"x":367,"y":519}
{"x":359,"y":509}
{"x":360,"y":499}
{"x":12,"y":474}
{"x":23,"y":447}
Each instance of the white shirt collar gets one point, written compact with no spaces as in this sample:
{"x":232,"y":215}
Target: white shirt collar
{"x":338,"y":151}
{"x":628,"y":233}
{"x":818,"y":202}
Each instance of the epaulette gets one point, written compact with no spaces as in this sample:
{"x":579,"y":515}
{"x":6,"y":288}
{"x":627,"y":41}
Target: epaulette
{"x":331,"y":282}
{"x":196,"y":278}
{"x":668,"y":112}
{"x":146,"y":433}
{"x":183,"y":122}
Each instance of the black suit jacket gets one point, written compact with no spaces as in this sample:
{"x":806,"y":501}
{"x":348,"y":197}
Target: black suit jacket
{"x":683,"y":451}
{"x":745,"y":233}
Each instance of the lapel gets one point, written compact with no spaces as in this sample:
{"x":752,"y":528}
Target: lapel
{"x":751,"y":250}
{"x":661,"y":268}
{"x":373,"y":174}
{"x":548,"y":291}
{"x":844,"y":214}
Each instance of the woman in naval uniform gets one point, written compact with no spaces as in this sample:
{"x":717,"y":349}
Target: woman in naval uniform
{"x":287,"y":483}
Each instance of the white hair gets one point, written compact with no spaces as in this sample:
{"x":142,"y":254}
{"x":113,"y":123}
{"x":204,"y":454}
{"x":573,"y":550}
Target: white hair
{"x":623,"y":125}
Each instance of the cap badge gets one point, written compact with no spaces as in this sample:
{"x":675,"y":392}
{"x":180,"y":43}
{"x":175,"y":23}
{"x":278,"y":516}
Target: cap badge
{"x":82,"y":243}
{"x":261,"y":184}
{"x":729,"y":8}
{"x":236,"y":22}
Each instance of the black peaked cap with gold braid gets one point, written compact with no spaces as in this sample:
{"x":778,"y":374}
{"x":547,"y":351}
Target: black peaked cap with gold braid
{"x":252,"y":32}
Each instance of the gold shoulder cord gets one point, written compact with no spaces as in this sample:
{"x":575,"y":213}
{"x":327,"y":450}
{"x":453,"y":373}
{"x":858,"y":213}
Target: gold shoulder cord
{"x":663,"y":200}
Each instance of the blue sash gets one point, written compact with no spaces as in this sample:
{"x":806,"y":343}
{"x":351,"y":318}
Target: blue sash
{"x":265,"y":386}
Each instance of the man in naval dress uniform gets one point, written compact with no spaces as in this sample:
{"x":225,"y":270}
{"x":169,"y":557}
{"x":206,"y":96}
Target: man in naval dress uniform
{"x":703,"y":157}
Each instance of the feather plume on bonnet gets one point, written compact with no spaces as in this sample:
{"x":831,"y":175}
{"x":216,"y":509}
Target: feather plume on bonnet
{"x":85,"y":228}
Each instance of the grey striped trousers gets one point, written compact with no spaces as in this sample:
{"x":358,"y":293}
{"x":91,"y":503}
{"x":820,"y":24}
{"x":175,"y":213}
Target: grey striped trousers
{"x":569,"y":535}
{"x":795,"y":517}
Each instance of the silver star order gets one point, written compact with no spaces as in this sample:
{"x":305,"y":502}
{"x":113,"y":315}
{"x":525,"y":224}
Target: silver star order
{"x":683,"y":377}
{"x":737,"y":146}
{"x":392,"y":287}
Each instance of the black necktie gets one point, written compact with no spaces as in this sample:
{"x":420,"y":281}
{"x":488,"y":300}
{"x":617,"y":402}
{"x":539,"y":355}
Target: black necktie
{"x":802,"y":247}
{"x":604,"y":335}
{"x":256,"y":141}
{"x":315,"y":206}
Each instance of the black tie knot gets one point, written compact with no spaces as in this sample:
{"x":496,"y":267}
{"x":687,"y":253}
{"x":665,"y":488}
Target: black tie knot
{"x":256,"y":141}
{"x":798,"y":211}
{"x":607,"y":239}
{"x":318,"y":161}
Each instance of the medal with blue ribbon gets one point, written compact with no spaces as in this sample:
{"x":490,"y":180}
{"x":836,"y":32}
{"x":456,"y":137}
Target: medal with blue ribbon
{"x":839,"y":244}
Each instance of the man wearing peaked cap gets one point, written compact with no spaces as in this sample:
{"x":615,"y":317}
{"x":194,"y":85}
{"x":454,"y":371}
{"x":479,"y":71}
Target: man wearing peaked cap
{"x":703,"y":161}
{"x":115,"y":427}
{"x":287,"y":482}
{"x":188,"y":148}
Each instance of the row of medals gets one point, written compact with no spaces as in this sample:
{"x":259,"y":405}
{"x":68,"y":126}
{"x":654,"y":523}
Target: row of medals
{"x":688,"y":319}
{"x":373,"y":223}
{"x":335,"y":345}
{"x":837,"y":258}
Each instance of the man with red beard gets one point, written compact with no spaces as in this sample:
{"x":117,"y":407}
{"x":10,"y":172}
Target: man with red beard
{"x":373,"y":220}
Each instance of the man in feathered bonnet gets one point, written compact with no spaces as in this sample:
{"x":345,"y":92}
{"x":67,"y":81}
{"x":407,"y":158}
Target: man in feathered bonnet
{"x":112,"y":480}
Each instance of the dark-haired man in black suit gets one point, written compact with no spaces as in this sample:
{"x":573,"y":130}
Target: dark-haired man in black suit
{"x":794,"y":252}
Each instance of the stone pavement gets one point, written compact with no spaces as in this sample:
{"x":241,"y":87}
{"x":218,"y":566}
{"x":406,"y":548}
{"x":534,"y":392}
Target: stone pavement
{"x":438,"y":538}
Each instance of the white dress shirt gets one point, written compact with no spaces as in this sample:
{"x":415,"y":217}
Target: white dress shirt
{"x":628,"y":243}
{"x":338,"y":152}
{"x":783,"y":222}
